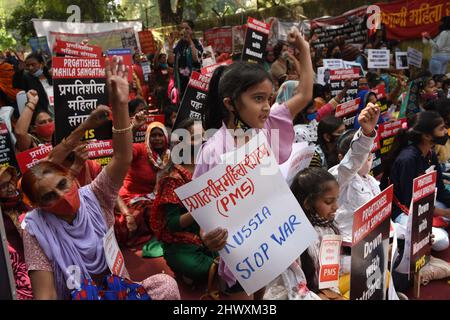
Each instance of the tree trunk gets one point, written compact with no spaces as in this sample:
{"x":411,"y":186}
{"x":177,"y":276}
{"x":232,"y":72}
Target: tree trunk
{"x":167,"y":16}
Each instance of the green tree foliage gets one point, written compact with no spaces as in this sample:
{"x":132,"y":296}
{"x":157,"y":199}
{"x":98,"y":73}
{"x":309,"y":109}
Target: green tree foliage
{"x":6,"y":40}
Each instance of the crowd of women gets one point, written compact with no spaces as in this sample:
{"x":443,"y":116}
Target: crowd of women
{"x":58,"y":212}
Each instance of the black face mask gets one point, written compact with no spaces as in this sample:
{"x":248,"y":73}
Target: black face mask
{"x":441,"y":140}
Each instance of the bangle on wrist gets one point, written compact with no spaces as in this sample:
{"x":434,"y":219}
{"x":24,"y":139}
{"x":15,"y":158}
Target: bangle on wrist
{"x":29,"y":107}
{"x":121,"y":131}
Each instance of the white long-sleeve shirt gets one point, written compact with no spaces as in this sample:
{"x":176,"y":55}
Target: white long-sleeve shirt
{"x":355,"y":190}
{"x":440,"y":44}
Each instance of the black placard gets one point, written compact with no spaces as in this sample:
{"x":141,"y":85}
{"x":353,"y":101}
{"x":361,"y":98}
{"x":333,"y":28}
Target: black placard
{"x":256,"y":38}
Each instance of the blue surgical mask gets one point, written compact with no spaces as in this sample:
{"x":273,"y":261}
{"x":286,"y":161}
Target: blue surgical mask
{"x":163,"y":65}
{"x":38,"y":73}
{"x":311,"y":116}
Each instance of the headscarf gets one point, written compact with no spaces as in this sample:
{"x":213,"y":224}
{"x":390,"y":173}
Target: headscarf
{"x":77,"y":244}
{"x":175,"y":178}
{"x":157,"y":161}
{"x":286,"y":91}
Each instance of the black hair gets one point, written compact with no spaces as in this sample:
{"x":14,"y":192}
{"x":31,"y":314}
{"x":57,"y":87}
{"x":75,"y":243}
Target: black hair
{"x":36,"y":113}
{"x":370,"y":93}
{"x":190,"y":23}
{"x":344,"y":141}
{"x":278,"y":48}
{"x":445,"y":23}
{"x":168,"y":110}
{"x":308,"y":185}
{"x":230,"y":81}
{"x":372,"y":79}
{"x":38,"y":57}
{"x":318,"y":90}
{"x":439,"y":77}
{"x":328,"y":124}
{"x":186,"y":123}
{"x":442,"y":106}
{"x":133,"y":104}
{"x":419,"y":124}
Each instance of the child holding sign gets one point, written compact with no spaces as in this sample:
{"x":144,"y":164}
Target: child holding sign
{"x":317,"y":191}
{"x":239,"y":98}
{"x":352,"y":173}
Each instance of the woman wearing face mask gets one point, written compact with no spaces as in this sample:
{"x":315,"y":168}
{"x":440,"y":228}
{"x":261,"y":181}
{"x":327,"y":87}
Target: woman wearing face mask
{"x":63,"y":235}
{"x":329,"y":130}
{"x":12,"y":210}
{"x":172,"y":224}
{"x":39,"y":133}
{"x":411,"y":156}
{"x":36,"y":77}
{"x":149,"y":158}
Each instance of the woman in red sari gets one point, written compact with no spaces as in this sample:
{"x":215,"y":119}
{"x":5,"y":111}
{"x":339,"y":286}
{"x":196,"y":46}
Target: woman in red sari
{"x":184,"y":251}
{"x":149,"y":158}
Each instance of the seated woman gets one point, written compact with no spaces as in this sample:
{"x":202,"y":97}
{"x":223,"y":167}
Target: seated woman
{"x":138,"y":187}
{"x":411,"y":156}
{"x":12,"y":210}
{"x":63,"y":235}
{"x":176,"y":228}
{"x":328,"y":132}
{"x":41,"y":132}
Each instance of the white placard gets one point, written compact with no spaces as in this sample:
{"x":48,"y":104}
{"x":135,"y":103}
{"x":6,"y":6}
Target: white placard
{"x":333,"y":64}
{"x":321,"y":75}
{"x":379,"y":59}
{"x":414,"y":57}
{"x":353,"y":64}
{"x":211,"y":59}
{"x":247,"y":195}
{"x":114,"y":257}
{"x":329,"y":255}
{"x":300,"y":159}
{"x":401,"y":60}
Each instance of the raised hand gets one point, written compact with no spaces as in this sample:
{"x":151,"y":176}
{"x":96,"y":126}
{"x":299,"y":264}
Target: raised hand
{"x":117,"y":81}
{"x":32,"y":97}
{"x":97,"y":117}
{"x":296,"y":39}
{"x":368,"y":119}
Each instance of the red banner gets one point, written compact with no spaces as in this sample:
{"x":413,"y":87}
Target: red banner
{"x":31,"y":157}
{"x":220,"y":39}
{"x":147,"y":42}
{"x":409,"y":19}
{"x":139,"y":136}
{"x":75,"y":68}
{"x":210,"y":69}
{"x":424,"y":185}
{"x":77,"y":50}
{"x":100,"y":151}
{"x":346,"y":108}
{"x":372,"y":214}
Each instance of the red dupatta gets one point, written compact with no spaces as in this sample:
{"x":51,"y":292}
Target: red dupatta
{"x":176,"y":177}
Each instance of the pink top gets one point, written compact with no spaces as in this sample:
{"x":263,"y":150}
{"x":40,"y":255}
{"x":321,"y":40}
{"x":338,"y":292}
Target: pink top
{"x":221,"y":142}
{"x":106,"y":193}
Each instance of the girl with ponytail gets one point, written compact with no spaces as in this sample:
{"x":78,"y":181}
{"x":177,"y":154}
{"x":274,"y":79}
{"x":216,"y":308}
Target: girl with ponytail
{"x":239,"y":98}
{"x":410,"y":157}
